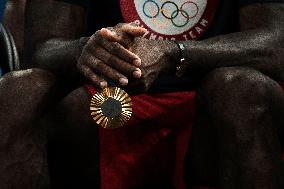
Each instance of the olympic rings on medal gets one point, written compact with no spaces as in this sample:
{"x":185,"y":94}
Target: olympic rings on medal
{"x":170,"y":11}
{"x":156,"y":5}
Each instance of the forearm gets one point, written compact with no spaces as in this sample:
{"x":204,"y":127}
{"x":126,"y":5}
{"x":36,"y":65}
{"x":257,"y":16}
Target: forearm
{"x":259,"y":44}
{"x":52,"y":35}
{"x":259,"y":49}
{"x":58,"y":56}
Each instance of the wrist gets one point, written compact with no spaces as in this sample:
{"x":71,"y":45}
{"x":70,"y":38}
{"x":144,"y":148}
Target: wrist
{"x":81,"y":44}
{"x":182,"y":56}
{"x":171,"y":54}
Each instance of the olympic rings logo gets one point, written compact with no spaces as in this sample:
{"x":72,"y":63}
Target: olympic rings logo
{"x":170,"y":10}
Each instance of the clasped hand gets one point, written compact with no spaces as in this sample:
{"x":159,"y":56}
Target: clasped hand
{"x":121,"y":55}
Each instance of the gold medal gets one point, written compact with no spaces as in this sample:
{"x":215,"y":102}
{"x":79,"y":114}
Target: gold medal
{"x":111,"y":108}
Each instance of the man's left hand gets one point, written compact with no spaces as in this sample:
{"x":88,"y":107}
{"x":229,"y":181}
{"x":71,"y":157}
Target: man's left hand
{"x":156,"y":57}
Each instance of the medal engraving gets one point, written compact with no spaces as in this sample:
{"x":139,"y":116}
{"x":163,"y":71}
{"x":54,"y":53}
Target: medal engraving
{"x":111,"y":108}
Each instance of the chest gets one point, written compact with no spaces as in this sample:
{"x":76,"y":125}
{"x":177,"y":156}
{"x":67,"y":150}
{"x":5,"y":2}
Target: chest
{"x":164,"y":19}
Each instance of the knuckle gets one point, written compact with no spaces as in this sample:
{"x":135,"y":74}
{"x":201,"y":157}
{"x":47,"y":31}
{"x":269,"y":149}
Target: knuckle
{"x":95,"y":51}
{"x":89,"y":48}
{"x":119,"y":25}
{"x":95,"y":63}
{"x":133,"y":24}
{"x":88,"y":59}
{"x":92,"y":38}
{"x":98,"y":36}
{"x":115,"y":48}
{"x":112,"y":29}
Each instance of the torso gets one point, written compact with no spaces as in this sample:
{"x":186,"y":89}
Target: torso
{"x":206,"y":18}
{"x":178,"y":19}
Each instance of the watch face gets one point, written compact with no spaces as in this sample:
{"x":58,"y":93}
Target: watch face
{"x":175,"y":19}
{"x":111,"y":108}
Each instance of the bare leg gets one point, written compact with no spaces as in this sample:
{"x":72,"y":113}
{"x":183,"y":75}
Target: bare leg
{"x":23,"y":95}
{"x":73,"y":150}
{"x":245,"y":108}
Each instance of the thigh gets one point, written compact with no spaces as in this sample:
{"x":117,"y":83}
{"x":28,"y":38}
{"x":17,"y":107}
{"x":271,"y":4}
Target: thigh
{"x":201,"y":166}
{"x":22,"y":141}
{"x":73,"y":147}
{"x":229,"y":97}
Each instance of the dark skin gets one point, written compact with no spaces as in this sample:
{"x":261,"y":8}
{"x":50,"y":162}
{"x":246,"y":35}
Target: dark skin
{"x":260,"y":41}
{"x":247,"y":148}
{"x":22,"y":148}
{"x":22,"y":143}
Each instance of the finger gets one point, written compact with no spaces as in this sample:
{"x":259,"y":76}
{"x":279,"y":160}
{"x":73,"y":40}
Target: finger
{"x":130,"y":28}
{"x":108,"y":72}
{"x":117,"y":49}
{"x":114,"y":36}
{"x":116,"y":63}
{"x":124,"y":39}
{"x":135,"y":31}
{"x":94,"y":78}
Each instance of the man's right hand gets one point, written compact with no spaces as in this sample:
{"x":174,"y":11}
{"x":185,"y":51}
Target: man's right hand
{"x":105,"y":56}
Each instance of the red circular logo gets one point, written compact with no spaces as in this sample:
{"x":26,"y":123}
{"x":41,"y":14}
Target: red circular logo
{"x":175,"y":19}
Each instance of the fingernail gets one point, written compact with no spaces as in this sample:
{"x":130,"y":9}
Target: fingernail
{"x":137,"y":73}
{"x":137,"y":62}
{"x":103,"y":84}
{"x":123,"y":81}
{"x":143,"y":29}
{"x":104,"y":30}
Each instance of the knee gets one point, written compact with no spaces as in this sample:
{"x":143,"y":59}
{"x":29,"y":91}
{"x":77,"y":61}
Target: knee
{"x":74,"y":114}
{"x":238,"y":83}
{"x":31,"y":81}
{"x":23,"y":96}
{"x":75,"y":103}
{"x":228,"y":92}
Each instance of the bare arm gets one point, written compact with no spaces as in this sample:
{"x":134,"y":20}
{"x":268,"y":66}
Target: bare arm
{"x":53,"y":35}
{"x":259,"y":44}
{"x":54,"y":42}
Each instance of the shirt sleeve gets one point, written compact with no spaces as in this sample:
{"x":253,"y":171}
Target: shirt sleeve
{"x":247,"y":2}
{"x":83,"y":3}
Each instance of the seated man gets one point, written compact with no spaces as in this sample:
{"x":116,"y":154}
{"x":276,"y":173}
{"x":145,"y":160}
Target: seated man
{"x":23,"y":158}
{"x":234,"y":66}
{"x":22,"y":155}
